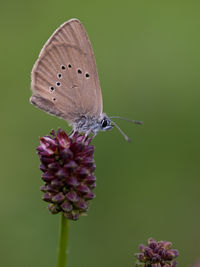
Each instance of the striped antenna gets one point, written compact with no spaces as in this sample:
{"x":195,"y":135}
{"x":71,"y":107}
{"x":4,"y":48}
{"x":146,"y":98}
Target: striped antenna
{"x":122,"y":118}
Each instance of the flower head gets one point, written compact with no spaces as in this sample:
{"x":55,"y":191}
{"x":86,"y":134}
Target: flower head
{"x":157,"y":254}
{"x":68,"y":173}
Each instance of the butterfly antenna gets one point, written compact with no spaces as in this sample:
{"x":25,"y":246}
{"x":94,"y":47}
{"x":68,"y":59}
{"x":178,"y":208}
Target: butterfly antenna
{"x":120,"y":130}
{"x":122,"y":118}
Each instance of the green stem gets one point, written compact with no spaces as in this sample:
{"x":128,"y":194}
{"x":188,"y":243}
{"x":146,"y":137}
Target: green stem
{"x":63,"y":238}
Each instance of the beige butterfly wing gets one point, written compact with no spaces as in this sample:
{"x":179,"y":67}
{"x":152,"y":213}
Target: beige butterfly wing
{"x":64,"y":78}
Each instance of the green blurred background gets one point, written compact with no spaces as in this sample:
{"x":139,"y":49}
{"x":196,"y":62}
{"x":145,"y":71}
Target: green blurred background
{"x":148,"y":57}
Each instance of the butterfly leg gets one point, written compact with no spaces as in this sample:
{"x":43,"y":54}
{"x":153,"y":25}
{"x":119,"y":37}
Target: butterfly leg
{"x":72,"y":133}
{"x":94,"y":135}
{"x":87,"y":135}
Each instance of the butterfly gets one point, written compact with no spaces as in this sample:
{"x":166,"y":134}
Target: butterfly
{"x":65,"y":83}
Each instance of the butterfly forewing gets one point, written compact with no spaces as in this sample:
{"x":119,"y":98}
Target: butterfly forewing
{"x":64,"y":78}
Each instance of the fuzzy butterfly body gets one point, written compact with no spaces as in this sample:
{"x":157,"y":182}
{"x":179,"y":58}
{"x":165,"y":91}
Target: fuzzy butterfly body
{"x":65,"y":81}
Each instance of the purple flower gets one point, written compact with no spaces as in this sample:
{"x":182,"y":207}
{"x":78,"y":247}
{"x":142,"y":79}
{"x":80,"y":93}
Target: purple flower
{"x":68,"y":173}
{"x":156,"y":254}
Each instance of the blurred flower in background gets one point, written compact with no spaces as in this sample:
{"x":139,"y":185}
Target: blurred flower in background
{"x":196,"y":264}
{"x":68,"y":172}
{"x":156,"y":254}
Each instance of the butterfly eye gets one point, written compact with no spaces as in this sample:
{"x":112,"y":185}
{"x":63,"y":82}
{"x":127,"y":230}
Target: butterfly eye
{"x":104,"y":123}
{"x":63,"y":67}
{"x":51,"y":88}
{"x":79,"y":71}
{"x":69,"y":66}
{"x":58,"y":83}
{"x":87,"y":75}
